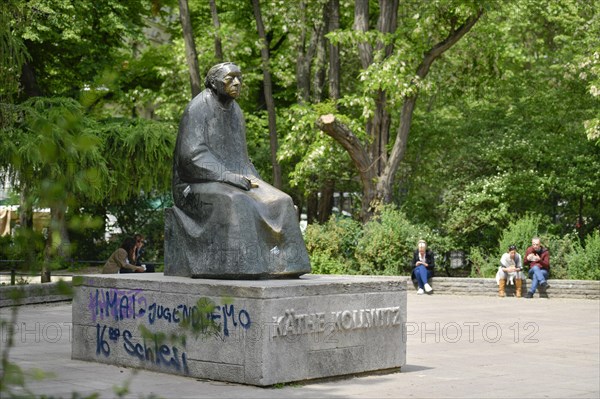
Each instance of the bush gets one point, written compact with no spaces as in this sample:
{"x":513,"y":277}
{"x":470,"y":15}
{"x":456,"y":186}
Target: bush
{"x":482,"y":265}
{"x":560,"y":249}
{"x":520,"y":233}
{"x":26,"y":247}
{"x":584,"y":261}
{"x":323,"y":263}
{"x":331,"y":246}
{"x":384,"y":246}
{"x":387,"y":243}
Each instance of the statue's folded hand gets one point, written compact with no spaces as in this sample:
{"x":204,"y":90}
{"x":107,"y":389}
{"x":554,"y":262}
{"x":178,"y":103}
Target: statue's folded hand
{"x":239,"y":181}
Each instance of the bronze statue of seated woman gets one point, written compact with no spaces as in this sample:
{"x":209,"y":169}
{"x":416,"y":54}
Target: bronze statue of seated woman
{"x":227,"y":222}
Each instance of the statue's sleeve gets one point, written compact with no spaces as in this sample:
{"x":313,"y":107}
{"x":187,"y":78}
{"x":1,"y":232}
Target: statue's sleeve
{"x":195,"y":161}
{"x":250,"y":170}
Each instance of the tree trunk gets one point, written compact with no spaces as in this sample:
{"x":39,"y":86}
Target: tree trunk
{"x":217,"y":25}
{"x":58,"y":244}
{"x":377,"y":170}
{"x":359,"y":156}
{"x":302,"y":66}
{"x":334,"y":51}
{"x":308,"y":48}
{"x":386,"y":180}
{"x":25,"y":208}
{"x":59,"y":229}
{"x":190,"y":48}
{"x":312,"y":207}
{"x":379,"y":127}
{"x":387,"y":22}
{"x":29,"y":82}
{"x":326,"y":201}
{"x":361,"y":24}
{"x":579,"y":224}
{"x":320,"y":56}
{"x":268,"y":91}
{"x":385,"y":183}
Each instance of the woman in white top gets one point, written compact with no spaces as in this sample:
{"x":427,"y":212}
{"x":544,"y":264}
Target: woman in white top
{"x":510,"y":271}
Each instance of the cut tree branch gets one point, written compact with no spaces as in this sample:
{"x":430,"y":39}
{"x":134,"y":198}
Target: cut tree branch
{"x":343,"y":135}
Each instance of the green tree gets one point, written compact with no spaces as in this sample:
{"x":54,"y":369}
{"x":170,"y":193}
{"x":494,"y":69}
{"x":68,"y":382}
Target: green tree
{"x":510,"y":138}
{"x":70,"y":43}
{"x":53,"y":153}
{"x":13,"y":55}
{"x":64,"y":154}
{"x":396,"y":54}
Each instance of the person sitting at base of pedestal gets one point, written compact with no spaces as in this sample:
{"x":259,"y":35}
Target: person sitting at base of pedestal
{"x":122,"y":260}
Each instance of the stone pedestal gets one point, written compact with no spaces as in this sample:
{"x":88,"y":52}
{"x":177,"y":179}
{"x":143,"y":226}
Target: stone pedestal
{"x":261,"y":332}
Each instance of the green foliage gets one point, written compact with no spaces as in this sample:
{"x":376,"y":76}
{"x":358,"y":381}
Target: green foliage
{"x":563,"y":249}
{"x":257,"y":136}
{"x":324,"y":263}
{"x":332,"y":246}
{"x":313,"y":156}
{"x":520,"y":233}
{"x":70,"y":43}
{"x":143,"y":215}
{"x":24,"y":245}
{"x":382,"y":246}
{"x":560,"y":249}
{"x":501,"y":131}
{"x":86,"y":228}
{"x":477,"y":212}
{"x":52,"y":157}
{"x":584,"y":260}
{"x":204,"y":324}
{"x":388,"y":241}
{"x":139,"y":153}
{"x":482,"y":264}
{"x":13,"y":54}
{"x":64,"y":159}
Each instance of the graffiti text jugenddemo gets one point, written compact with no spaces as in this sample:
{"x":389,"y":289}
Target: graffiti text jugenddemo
{"x":131,"y":304}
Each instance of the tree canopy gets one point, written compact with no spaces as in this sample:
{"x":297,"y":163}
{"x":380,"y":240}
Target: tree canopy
{"x":466,"y":114}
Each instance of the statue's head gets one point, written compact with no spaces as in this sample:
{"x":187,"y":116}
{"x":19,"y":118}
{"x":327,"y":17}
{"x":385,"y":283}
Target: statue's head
{"x":225,"y":79}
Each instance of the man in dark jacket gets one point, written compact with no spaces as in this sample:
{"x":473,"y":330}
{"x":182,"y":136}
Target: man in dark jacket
{"x":538,"y":260}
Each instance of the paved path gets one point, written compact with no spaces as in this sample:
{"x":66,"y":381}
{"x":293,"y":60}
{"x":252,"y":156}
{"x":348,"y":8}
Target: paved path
{"x":457,"y":347}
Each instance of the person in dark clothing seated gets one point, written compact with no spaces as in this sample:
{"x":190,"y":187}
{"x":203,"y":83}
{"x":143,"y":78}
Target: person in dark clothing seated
{"x":140,"y":242}
{"x":423,"y":264}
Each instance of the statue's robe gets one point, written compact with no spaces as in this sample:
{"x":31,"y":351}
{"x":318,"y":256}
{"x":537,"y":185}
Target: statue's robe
{"x":219,"y":230}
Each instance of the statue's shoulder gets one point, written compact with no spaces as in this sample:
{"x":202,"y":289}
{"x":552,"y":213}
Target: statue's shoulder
{"x":200,"y":101}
